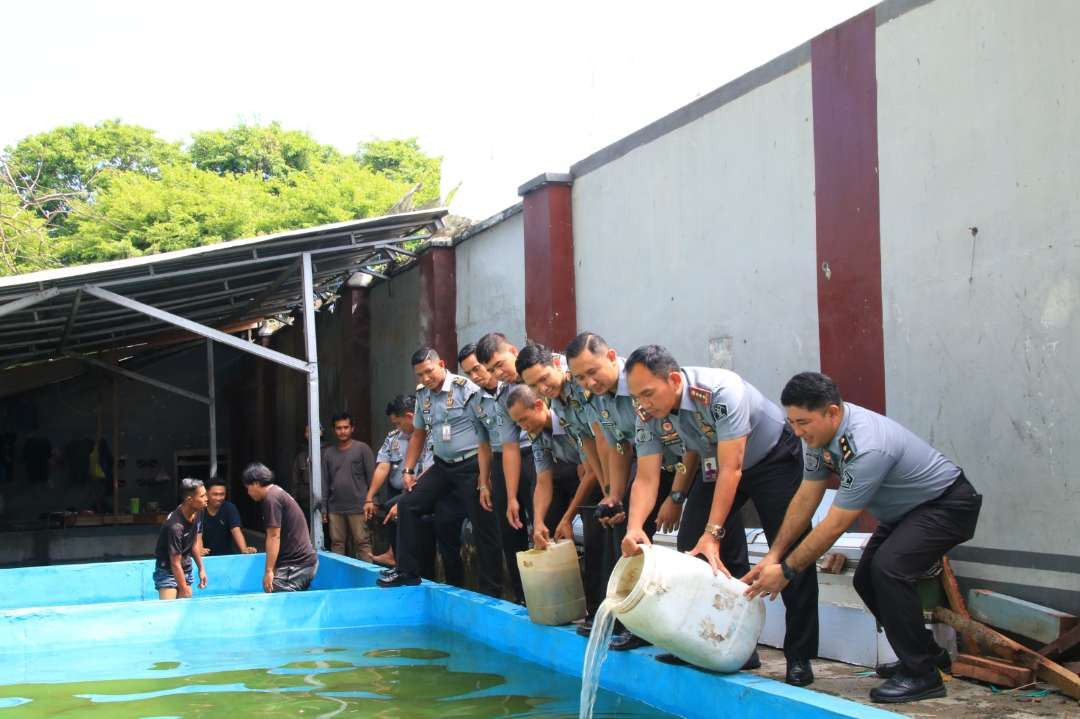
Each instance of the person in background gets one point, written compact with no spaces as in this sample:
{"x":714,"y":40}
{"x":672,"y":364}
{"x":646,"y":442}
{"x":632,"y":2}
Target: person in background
{"x":178,"y":544}
{"x":221,"y":531}
{"x":300,"y":487}
{"x":291,"y":562}
{"x":347,"y":469}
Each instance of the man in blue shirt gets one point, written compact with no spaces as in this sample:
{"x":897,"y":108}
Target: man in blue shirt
{"x":222,"y":531}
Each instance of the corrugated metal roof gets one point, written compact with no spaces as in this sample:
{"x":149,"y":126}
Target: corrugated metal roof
{"x":217,"y":285}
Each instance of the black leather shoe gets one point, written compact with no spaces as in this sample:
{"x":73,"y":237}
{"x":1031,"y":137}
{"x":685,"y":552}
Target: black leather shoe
{"x":887,"y":671}
{"x":902,"y":688}
{"x":585,"y":628}
{"x":398,"y":579}
{"x":388,"y":572}
{"x":799,"y":673}
{"x":754,"y":662}
{"x":625,"y":641}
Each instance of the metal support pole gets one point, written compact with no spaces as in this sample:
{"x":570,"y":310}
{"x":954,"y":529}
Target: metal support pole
{"x":314,"y":443}
{"x":116,"y":445}
{"x":213,"y":406}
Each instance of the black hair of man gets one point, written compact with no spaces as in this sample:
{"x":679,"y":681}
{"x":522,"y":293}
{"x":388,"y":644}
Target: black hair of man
{"x":464,"y":352}
{"x":586,"y":341}
{"x":654,"y":358}
{"x":189,"y":487}
{"x":533,"y":353}
{"x":811,"y":391}
{"x":341,"y":417}
{"x":400,"y":405}
{"x":521,"y":394}
{"x":424,"y":354}
{"x":216,"y":482}
{"x":488,"y":345}
{"x":257,"y":473}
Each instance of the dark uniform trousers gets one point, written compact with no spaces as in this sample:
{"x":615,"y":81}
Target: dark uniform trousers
{"x":771,"y":483}
{"x":440,"y":529}
{"x":901,"y":552}
{"x":513,"y":540}
{"x":595,"y":542}
{"x":456,"y":481}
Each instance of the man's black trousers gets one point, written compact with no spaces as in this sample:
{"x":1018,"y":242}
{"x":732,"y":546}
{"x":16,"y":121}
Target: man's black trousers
{"x":513,"y":540}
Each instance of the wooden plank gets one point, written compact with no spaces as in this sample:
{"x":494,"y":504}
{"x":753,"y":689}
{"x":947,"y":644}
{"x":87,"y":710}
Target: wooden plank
{"x":956,"y":601}
{"x":1048,"y":671}
{"x":1062,"y":644}
{"x":992,"y":671}
{"x":1027,"y":619}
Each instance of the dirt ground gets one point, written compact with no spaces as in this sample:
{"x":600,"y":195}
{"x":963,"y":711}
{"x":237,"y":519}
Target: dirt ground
{"x":965,"y":698}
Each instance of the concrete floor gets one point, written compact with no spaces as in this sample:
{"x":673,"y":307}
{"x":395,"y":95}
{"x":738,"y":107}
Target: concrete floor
{"x":965,"y":698}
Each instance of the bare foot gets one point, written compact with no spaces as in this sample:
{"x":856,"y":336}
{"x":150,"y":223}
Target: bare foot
{"x":386,"y":559}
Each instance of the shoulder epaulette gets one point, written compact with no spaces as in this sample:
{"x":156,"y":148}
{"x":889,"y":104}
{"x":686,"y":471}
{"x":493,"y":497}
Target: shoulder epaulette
{"x":460,"y":381}
{"x":847,"y":447}
{"x":700,"y":395}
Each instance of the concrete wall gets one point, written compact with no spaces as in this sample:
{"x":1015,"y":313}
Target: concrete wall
{"x":395,"y":335}
{"x":703,"y":239}
{"x":978,"y":108}
{"x":491,"y":282}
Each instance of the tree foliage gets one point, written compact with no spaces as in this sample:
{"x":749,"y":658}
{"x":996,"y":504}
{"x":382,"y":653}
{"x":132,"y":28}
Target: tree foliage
{"x":80,"y":194}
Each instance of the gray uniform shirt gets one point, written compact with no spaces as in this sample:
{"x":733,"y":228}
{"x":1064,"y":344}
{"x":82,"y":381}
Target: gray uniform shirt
{"x":616,"y":412}
{"x":393,"y":451}
{"x":496,"y":426}
{"x":716,"y":405}
{"x":883,"y":467}
{"x":572,"y":406}
{"x":555,"y":444}
{"x":449,"y":421}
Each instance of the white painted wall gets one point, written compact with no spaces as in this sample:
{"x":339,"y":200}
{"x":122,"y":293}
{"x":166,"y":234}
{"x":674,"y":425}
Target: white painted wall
{"x":978,"y":108}
{"x":491,"y":282}
{"x":395,"y":335}
{"x":709,"y":232}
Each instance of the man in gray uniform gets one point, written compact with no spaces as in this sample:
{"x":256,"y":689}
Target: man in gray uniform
{"x":746,"y":452}
{"x":500,"y":435}
{"x":442,"y":411}
{"x":923,"y":501}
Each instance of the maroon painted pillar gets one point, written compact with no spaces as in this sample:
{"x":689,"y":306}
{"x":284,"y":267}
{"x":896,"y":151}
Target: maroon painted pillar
{"x":550,"y":301}
{"x":844,"y":77}
{"x":438,"y":300}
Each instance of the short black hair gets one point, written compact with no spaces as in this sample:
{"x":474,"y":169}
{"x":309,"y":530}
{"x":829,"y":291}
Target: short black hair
{"x":488,"y":345}
{"x":812,"y":391}
{"x":257,"y":473}
{"x":465,"y":351}
{"x":533,"y":353}
{"x":400,"y":405}
{"x":342,"y":417}
{"x":424,"y":354}
{"x":521,"y":394}
{"x":188,"y":487}
{"x":586,"y":341}
{"x":216,"y":482}
{"x":654,"y":358}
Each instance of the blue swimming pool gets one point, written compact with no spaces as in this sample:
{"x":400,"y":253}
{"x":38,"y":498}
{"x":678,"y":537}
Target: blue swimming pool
{"x":89,"y":624}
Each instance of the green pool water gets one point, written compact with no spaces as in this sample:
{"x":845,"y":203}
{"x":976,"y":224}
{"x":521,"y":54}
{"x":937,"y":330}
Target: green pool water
{"x":377,"y":672}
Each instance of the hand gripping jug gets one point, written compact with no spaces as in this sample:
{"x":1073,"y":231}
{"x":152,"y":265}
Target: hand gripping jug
{"x":551,"y":580}
{"x":673,"y":600}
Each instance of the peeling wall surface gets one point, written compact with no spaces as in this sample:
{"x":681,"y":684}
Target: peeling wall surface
{"x":491,"y":282}
{"x":395,"y":335}
{"x":703,"y":240}
{"x":980,"y":179}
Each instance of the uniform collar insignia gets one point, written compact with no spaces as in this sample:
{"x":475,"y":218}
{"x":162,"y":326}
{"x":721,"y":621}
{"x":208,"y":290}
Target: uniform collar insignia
{"x":642,"y":414}
{"x":700,"y":394}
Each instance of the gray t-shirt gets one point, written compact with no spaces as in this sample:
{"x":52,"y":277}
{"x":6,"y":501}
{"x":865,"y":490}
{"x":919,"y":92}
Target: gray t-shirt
{"x":348,"y":476}
{"x":280,"y":510}
{"x":882,"y":466}
{"x":393,"y":452}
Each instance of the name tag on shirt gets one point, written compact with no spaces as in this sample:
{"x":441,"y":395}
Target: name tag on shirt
{"x":709,"y":469}
{"x":446,"y":433}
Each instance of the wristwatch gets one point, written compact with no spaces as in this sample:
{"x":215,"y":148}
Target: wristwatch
{"x":408,"y":471}
{"x":678,"y":497}
{"x":789,"y":573}
{"x":716,"y":530}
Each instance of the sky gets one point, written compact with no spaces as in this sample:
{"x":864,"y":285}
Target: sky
{"x":503,"y":91}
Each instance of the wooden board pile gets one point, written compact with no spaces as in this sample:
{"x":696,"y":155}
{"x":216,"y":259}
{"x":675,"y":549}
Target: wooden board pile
{"x":990,"y":656}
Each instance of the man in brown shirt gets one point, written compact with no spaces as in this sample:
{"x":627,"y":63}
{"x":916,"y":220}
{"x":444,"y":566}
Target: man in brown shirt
{"x":291,"y":561}
{"x":347,"y":468}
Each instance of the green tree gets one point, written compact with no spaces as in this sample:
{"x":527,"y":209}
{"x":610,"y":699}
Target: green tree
{"x":25,"y":245}
{"x":265,"y":150}
{"x":403,"y":160}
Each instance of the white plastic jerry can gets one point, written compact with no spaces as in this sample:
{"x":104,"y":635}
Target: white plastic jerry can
{"x":551,"y":580}
{"x":673,"y":600}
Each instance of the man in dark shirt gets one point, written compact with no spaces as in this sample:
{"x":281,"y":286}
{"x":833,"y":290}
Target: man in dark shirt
{"x":178,"y":543}
{"x":347,"y":467}
{"x":291,"y":561}
{"x":221,"y":531}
